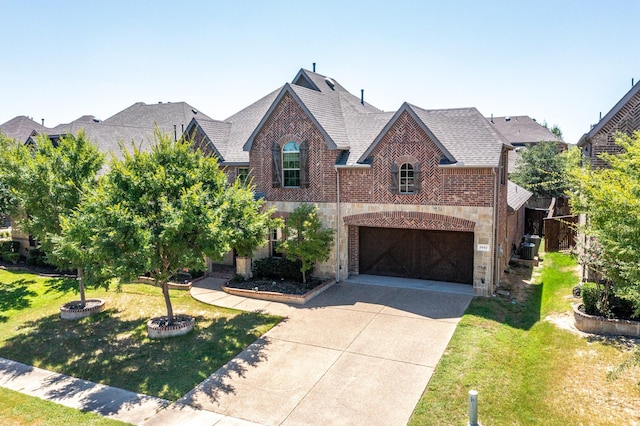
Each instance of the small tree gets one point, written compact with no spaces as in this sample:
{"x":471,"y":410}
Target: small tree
{"x":610,"y":197}
{"x":306,"y":240}
{"x":541,"y":169}
{"x":162,"y":211}
{"x":47,"y":184}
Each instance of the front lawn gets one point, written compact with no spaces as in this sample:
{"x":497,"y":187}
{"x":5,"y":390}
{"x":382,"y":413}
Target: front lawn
{"x":18,"y":409}
{"x":113,"y":348}
{"x":528,"y":370}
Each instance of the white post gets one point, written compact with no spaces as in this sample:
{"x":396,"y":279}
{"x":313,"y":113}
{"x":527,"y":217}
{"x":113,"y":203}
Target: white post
{"x":473,"y":408}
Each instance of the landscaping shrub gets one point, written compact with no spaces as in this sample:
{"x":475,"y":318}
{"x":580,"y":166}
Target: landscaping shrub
{"x":12,"y":257}
{"x":278,"y":268}
{"x":590,"y":298}
{"x":10,"y":246}
{"x":622,"y":307}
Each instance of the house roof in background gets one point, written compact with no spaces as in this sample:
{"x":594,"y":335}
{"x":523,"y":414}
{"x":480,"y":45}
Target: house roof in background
{"x":20,"y":128}
{"x":135,"y":124}
{"x":522,"y":129}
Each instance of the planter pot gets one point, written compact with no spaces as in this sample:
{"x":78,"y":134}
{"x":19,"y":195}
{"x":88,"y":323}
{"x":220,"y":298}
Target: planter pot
{"x":601,"y":325}
{"x":157,"y":327}
{"x":73,"y":311}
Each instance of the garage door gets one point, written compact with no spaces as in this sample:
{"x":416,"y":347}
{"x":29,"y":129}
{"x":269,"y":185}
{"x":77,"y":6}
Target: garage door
{"x":409,"y":253}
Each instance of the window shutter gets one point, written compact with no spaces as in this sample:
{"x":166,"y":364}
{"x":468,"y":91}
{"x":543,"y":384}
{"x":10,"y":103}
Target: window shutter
{"x":416,"y":178}
{"x":276,"y":181}
{"x":394,"y":178}
{"x":304,"y":165}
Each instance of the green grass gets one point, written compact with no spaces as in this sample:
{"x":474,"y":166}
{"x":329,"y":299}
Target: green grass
{"x":527,"y":370}
{"x":113,"y":348}
{"x":17,"y":409}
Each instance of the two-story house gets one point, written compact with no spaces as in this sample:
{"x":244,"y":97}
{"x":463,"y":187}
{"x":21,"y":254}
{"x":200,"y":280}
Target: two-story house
{"x":411,"y":193}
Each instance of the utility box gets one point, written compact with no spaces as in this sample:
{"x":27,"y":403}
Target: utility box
{"x":527,"y":251}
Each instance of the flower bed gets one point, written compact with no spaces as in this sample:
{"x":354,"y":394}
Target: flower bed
{"x":601,"y":325}
{"x":285,"y":294}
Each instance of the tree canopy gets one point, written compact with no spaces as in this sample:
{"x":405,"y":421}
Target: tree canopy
{"x":164,"y":210}
{"x":611,"y":199}
{"x":542,"y":169}
{"x":46,"y":184}
{"x":306,"y":239}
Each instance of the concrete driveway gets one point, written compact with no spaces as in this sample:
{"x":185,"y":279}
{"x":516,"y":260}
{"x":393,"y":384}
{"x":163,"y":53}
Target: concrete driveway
{"x":359,"y":353}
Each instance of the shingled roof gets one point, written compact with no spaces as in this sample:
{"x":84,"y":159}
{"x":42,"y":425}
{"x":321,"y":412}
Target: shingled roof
{"x":522,"y":129}
{"x":135,"y":124}
{"x":21,"y":128}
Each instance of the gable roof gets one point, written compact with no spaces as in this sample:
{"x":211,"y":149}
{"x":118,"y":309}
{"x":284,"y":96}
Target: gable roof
{"x":522,"y":129}
{"x":611,"y":114}
{"x":463,"y":135}
{"x":342,"y":118}
{"x":20,"y":128}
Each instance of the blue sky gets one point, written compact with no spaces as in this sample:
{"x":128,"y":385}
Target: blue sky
{"x":559,"y":61}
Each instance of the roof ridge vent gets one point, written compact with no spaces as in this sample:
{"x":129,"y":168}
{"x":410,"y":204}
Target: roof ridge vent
{"x":330,"y":83}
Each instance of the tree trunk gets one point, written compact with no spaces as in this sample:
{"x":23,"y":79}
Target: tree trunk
{"x":304,"y":277}
{"x":83,"y":297}
{"x":167,"y":301}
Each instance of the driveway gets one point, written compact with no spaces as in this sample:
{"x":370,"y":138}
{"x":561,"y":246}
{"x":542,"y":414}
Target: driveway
{"x":359,"y":353}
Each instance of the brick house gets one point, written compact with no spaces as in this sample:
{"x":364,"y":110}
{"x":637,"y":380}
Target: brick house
{"x":411,"y":193}
{"x":624,"y":117}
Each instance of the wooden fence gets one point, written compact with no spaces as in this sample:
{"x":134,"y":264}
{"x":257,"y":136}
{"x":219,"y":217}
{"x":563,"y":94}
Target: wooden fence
{"x":560,"y":232}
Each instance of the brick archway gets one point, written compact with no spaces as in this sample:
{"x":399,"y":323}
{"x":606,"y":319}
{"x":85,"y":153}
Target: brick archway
{"x":410,"y":220}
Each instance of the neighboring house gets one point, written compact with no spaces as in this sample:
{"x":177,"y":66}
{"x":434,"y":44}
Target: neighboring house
{"x":411,"y":193}
{"x":624,"y":117}
{"x":135,"y":124}
{"x":522,"y":131}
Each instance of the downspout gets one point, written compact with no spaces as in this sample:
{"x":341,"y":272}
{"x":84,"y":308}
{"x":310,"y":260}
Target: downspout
{"x":338,"y":223}
{"x":494,"y":268}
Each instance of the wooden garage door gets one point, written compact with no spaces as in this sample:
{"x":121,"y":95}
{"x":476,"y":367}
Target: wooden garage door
{"x":409,"y":253}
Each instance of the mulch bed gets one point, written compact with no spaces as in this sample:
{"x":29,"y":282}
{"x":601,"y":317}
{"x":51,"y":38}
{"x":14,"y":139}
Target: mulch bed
{"x":280,"y":286}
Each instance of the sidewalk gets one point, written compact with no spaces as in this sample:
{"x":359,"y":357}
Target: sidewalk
{"x":108,"y":401}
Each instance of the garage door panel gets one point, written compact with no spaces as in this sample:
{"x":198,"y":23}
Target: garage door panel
{"x":429,"y":255}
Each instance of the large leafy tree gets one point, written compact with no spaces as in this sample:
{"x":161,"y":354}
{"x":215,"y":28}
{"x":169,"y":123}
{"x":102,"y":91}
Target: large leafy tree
{"x":542,"y":169}
{"x":611,"y":199}
{"x":7,"y":199}
{"x":47,"y":183}
{"x":164,"y":210}
{"x":306,"y":240}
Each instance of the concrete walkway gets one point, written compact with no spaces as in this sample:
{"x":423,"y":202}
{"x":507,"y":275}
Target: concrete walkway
{"x":362,"y":352}
{"x":356,"y":354}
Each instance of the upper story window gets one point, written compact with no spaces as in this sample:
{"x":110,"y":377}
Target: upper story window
{"x":405,"y":176}
{"x":406,"y":179}
{"x":291,"y":165}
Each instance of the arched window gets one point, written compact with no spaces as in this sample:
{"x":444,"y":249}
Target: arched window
{"x":291,"y":165}
{"x":406,"y":183}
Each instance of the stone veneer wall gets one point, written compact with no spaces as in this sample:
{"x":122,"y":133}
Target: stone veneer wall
{"x":481,"y":216}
